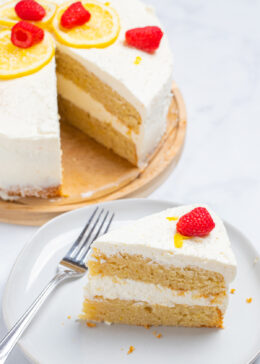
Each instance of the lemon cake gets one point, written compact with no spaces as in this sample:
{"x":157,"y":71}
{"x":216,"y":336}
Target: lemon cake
{"x":148,"y":273}
{"x":111,"y":88}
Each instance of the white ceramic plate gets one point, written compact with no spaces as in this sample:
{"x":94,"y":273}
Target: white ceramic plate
{"x":54,"y":339}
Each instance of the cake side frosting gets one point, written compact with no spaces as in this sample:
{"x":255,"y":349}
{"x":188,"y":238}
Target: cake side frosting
{"x":29,"y":132}
{"x":153,"y":237}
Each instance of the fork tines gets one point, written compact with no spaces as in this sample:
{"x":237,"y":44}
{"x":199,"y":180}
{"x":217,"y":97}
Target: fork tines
{"x":98,"y":224}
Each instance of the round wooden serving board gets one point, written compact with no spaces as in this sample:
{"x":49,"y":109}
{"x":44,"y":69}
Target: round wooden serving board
{"x":92,"y":173}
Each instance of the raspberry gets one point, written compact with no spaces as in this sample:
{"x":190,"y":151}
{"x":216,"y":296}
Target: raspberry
{"x":25,"y":35}
{"x":147,"y":39}
{"x":30,"y":10}
{"x":197,"y":222}
{"x":74,"y":16}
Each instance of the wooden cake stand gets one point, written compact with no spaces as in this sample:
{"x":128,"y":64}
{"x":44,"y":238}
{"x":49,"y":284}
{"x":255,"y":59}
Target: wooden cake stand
{"x":92,"y":174}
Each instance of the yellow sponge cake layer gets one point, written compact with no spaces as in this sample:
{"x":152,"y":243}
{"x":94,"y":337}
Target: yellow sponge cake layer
{"x":144,"y":269}
{"x":102,"y":132}
{"x":143,"y":314}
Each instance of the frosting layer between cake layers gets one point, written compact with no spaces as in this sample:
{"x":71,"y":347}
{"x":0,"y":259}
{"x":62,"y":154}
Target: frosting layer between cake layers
{"x":113,"y":288}
{"x":145,"y":86}
{"x":30,"y":156}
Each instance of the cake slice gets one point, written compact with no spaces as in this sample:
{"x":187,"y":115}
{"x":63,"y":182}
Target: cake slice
{"x":148,"y":273}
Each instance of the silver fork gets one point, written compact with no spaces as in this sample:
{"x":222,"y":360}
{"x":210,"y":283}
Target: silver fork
{"x":71,"y":266}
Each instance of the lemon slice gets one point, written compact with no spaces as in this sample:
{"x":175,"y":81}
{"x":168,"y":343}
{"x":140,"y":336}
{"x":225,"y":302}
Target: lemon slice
{"x":8,"y":16}
{"x":17,"y":62}
{"x":99,"y":32}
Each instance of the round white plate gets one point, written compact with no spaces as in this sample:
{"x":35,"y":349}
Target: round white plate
{"x":53,"y":338}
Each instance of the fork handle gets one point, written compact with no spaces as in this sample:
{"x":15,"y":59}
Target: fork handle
{"x":9,"y":341}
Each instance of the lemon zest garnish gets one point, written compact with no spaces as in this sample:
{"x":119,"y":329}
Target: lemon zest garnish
{"x":178,"y":240}
{"x":107,"y":3}
{"x":249,"y":300}
{"x":172,"y":218}
{"x":232,"y":291}
{"x":137,"y":60}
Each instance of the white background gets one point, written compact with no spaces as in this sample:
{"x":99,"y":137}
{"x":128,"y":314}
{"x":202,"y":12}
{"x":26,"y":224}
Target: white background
{"x":216,"y":45}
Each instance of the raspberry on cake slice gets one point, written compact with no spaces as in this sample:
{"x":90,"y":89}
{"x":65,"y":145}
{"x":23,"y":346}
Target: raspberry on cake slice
{"x":138,"y":275}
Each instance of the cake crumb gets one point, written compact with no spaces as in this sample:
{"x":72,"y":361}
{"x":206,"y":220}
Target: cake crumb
{"x":157,"y":335}
{"x":256,"y":260}
{"x":62,"y":324}
{"x":249,"y":300}
{"x":147,"y":327}
{"x":69,"y":317}
{"x":137,"y":60}
{"x":232,"y":291}
{"x":131,"y":349}
{"x":91,"y":324}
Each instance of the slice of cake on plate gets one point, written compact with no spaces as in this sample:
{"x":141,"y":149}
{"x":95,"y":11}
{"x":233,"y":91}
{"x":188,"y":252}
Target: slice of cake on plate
{"x":170,"y":268}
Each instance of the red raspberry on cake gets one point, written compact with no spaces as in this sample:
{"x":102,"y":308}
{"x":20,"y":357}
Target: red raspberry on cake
{"x":25,"y":35}
{"x":197,"y":222}
{"x":147,"y":39}
{"x":74,"y":16}
{"x":30,"y":10}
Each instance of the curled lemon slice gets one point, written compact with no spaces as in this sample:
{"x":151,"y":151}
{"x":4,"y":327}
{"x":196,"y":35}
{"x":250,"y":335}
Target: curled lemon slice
{"x":99,"y":32}
{"x":17,"y":62}
{"x":8,"y":16}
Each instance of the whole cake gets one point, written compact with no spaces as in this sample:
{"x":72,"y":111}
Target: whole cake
{"x":114,"y":74}
{"x":170,"y":268}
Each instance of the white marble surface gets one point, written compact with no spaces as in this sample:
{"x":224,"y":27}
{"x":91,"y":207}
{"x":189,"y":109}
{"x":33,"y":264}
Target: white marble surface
{"x":217,"y":66}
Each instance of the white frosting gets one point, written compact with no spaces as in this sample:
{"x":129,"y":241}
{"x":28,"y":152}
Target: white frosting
{"x":146,"y":85}
{"x":141,"y":292}
{"x":29,"y":132}
{"x":153,"y":237}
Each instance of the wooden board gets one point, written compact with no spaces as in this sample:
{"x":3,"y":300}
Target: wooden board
{"x":93,"y":174}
